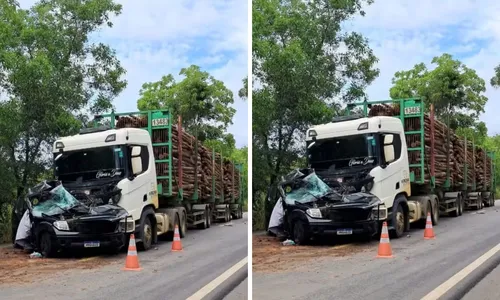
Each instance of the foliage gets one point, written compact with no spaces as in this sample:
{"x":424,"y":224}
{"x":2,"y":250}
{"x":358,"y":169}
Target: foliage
{"x":52,"y":76}
{"x":455,"y":90}
{"x":302,"y":61}
{"x":199,"y":98}
{"x":243,"y":92}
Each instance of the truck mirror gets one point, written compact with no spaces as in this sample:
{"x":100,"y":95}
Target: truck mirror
{"x":388,"y":139}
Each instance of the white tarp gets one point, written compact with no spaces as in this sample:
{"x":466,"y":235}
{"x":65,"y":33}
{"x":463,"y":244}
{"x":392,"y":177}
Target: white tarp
{"x":277,"y":215}
{"x":24,"y":230}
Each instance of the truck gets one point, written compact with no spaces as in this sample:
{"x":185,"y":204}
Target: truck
{"x":417,"y":164}
{"x":159,"y":173}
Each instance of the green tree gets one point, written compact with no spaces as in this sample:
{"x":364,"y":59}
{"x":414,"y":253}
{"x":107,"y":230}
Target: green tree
{"x":243,"y":92}
{"x":202,"y":101}
{"x":455,"y":90}
{"x":52,"y":77}
{"x":302,"y":60}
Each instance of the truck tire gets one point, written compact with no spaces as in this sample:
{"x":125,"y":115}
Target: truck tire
{"x":209,"y":217}
{"x":456,"y":212}
{"x":183,"y":225}
{"x":301,"y":234}
{"x":461,"y":206}
{"x":435,"y":214}
{"x":398,"y":221}
{"x":204,"y":224}
{"x":146,"y":234}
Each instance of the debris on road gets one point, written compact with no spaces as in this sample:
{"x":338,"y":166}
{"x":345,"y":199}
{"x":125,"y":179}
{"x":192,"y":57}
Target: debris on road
{"x":36,"y":255}
{"x":288,"y":243}
{"x":269,"y":255}
{"x":18,"y":268}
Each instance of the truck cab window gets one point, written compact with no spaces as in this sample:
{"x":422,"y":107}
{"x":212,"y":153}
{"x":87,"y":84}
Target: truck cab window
{"x":144,"y":158}
{"x":396,"y":142}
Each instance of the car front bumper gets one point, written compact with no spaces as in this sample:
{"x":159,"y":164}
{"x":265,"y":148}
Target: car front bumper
{"x":78,"y":240}
{"x":325,"y":226}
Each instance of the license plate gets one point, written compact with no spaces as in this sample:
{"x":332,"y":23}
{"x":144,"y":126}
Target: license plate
{"x":344,"y":231}
{"x":91,"y":244}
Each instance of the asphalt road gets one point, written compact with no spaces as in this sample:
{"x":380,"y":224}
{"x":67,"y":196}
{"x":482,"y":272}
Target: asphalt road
{"x":240,"y":292}
{"x":487,"y":288}
{"x":419,"y":266}
{"x":207,"y":254}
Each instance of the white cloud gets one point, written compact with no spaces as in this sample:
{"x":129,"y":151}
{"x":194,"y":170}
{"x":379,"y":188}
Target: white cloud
{"x":159,"y":37}
{"x":403,"y":33}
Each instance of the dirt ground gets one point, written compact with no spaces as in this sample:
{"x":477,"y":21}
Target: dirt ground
{"x":16,"y":267}
{"x":269,"y":255}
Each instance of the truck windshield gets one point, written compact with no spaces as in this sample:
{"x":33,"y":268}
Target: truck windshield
{"x":344,"y":152}
{"x":90,"y":164}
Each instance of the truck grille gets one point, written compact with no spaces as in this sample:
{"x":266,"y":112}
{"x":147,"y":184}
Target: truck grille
{"x":348,"y":214}
{"x":96,"y":227}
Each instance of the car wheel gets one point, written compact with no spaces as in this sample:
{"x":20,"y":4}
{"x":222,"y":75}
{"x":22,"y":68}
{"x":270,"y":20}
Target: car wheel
{"x":46,"y":245}
{"x":300,"y":234}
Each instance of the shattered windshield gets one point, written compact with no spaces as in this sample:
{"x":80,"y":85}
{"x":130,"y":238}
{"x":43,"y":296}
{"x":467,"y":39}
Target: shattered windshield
{"x":309,"y":189}
{"x":90,"y":164}
{"x":60,"y":201}
{"x":344,"y":152}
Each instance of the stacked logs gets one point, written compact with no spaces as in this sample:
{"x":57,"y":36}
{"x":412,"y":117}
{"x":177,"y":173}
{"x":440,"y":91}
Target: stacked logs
{"x":198,"y":164}
{"x":448,"y":151}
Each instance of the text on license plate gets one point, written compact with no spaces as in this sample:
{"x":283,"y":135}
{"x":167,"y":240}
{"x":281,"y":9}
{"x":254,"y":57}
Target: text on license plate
{"x":91,"y":244}
{"x":344,"y":231}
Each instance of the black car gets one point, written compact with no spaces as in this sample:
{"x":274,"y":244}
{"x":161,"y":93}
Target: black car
{"x":59,"y":220}
{"x":312,"y":208}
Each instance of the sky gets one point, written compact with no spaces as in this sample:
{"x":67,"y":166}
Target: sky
{"x":159,"y":37}
{"x":403,"y":33}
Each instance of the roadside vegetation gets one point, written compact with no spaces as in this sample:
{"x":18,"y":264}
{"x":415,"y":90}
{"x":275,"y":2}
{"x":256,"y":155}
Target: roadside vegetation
{"x":306,"y":69}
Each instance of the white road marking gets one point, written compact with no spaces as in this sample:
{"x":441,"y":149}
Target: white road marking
{"x":207,"y":289}
{"x":455,"y":279}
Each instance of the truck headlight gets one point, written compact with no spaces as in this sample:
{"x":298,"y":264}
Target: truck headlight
{"x":61,"y":225}
{"x":127,"y":225}
{"x":314,"y":213}
{"x":379,"y":214}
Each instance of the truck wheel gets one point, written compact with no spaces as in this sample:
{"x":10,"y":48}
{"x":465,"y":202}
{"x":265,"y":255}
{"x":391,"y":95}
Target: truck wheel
{"x":203,"y":225}
{"x":241,"y":212}
{"x":399,"y":222}
{"x":146,"y":234}
{"x":300,"y":233}
{"x":461,"y":205}
{"x":209,"y":217}
{"x":46,"y":245}
{"x":183,"y":226}
{"x":435,"y":215}
{"x":456,"y":212}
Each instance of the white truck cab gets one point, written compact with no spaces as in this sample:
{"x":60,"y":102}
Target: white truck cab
{"x":122,"y":160}
{"x":355,"y":147}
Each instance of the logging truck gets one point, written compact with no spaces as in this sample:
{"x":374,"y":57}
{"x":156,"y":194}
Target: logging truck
{"x":158,"y":172}
{"x":415,"y":163}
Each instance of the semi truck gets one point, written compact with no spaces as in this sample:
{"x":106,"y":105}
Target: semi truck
{"x":417,"y":165}
{"x":161,"y":175}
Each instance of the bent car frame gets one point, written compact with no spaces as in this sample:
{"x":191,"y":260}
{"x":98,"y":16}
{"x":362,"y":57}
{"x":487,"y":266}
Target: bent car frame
{"x":311,"y":208}
{"x":55,"y":219}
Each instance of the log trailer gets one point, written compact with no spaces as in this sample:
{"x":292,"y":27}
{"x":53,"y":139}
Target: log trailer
{"x":139,"y":156}
{"x":416,"y":164}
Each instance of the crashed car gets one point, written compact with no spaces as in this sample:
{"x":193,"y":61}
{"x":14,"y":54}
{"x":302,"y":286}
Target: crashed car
{"x":55,"y":220}
{"x":306,"y":206}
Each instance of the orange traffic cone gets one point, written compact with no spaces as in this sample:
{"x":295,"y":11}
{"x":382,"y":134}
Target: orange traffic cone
{"x":384,"y":248}
{"x":429,"y":232}
{"x":132,"y":262}
{"x":176,"y":245}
